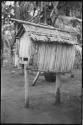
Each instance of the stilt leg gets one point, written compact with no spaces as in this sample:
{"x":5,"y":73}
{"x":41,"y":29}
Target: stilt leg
{"x":57,"y":89}
{"x":26,"y":86}
{"x":36,"y":78}
{"x":22,"y":68}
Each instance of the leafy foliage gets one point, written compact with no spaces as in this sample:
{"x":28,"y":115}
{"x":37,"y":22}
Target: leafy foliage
{"x":42,"y":12}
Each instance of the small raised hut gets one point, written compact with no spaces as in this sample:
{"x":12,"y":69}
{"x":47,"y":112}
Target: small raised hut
{"x":54,"y":47}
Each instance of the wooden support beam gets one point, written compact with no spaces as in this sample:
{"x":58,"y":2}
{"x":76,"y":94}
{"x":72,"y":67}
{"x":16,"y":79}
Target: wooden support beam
{"x":26,"y":77}
{"x":42,"y":26}
{"x":57,"y":89}
{"x":36,"y":78}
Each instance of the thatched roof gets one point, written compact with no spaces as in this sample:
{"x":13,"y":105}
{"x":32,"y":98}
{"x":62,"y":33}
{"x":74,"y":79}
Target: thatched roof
{"x":45,"y":35}
{"x":52,"y":39}
{"x":48,"y":33}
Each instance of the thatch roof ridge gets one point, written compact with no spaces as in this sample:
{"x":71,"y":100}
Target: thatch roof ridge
{"x":45,"y":26}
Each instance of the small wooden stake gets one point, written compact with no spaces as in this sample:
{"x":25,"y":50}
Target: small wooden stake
{"x":26,"y":86}
{"x":57,"y":89}
{"x":36,"y":78}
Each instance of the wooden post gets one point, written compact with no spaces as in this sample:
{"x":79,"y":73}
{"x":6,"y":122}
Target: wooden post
{"x":26,"y":86}
{"x":57,"y":89}
{"x":36,"y":78}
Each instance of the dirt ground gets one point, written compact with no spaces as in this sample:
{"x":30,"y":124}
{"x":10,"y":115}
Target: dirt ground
{"x":42,"y":99}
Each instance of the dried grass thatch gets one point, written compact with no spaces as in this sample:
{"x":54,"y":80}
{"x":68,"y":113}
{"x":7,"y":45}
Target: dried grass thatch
{"x":51,"y":34}
{"x":55,"y":58}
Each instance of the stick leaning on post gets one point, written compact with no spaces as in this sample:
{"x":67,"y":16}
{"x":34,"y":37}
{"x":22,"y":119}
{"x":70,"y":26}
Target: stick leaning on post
{"x":36,"y":78}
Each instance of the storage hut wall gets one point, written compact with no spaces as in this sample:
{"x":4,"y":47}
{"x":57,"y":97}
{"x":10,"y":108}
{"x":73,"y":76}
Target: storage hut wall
{"x":26,"y":49}
{"x":55,"y":57}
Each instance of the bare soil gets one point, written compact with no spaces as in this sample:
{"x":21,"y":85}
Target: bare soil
{"x":42,"y":107}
